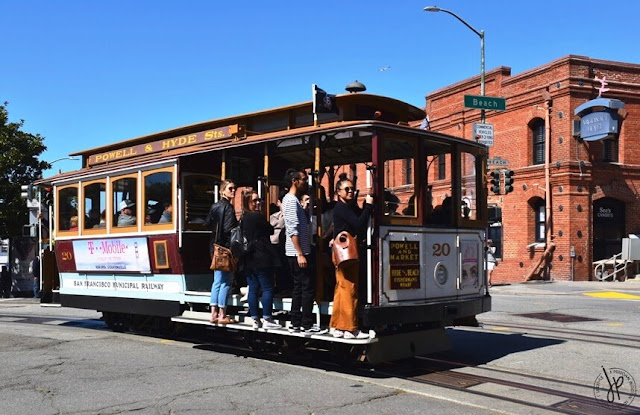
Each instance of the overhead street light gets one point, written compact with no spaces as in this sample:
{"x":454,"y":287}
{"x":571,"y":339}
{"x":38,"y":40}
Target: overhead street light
{"x":60,"y":159}
{"x":480,"y":34}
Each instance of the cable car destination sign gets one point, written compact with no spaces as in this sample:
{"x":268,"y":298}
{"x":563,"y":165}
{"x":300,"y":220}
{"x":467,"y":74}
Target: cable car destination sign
{"x":166,"y":144}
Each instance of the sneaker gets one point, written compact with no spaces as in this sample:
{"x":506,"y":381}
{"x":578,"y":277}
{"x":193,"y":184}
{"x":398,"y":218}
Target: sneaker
{"x":315,"y":330}
{"x":338,"y":333}
{"x":270,"y":324}
{"x":356,"y":335}
{"x":294,"y":329}
{"x":244,"y":290}
{"x":244,"y":298}
{"x":256,"y":323}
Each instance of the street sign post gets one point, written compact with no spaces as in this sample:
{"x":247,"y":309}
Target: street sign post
{"x":483,"y":133}
{"x":485,"y":103}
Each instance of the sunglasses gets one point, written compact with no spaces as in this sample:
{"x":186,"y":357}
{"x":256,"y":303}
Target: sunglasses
{"x":348,"y":189}
{"x":255,"y":200}
{"x":231,"y":189}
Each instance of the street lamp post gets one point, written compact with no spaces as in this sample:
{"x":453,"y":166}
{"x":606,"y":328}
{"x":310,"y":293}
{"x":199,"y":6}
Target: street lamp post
{"x":480,"y":34}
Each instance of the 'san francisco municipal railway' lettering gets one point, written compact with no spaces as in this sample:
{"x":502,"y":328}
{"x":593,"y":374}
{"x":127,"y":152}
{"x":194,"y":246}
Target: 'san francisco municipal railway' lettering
{"x":125,"y":285}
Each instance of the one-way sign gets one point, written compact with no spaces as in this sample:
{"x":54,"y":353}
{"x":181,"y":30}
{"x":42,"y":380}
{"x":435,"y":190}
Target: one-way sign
{"x":483,"y":133}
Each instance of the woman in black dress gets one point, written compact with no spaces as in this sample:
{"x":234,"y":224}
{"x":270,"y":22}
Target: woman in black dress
{"x":260,"y":260}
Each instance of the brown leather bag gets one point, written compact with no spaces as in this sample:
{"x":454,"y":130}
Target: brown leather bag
{"x":345,"y":248}
{"x":222,"y":259}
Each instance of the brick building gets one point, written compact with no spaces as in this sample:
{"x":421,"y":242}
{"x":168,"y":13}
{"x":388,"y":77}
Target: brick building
{"x":594,"y":186}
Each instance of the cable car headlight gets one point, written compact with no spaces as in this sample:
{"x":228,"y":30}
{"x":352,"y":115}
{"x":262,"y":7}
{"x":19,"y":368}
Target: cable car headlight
{"x":440,"y":273}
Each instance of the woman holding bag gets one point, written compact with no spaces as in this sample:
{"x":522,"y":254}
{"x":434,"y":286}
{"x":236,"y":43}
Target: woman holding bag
{"x":221,"y":219}
{"x":259,"y":261}
{"x":344,"y":319}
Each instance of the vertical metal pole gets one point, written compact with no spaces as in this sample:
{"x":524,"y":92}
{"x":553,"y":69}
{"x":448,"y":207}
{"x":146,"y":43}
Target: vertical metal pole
{"x":40,"y":238}
{"x":313,"y":105}
{"x":547,"y":174}
{"x":482,"y":91}
{"x":264,"y":185}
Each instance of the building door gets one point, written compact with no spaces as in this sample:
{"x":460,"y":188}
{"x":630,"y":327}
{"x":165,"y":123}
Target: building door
{"x":608,"y":227}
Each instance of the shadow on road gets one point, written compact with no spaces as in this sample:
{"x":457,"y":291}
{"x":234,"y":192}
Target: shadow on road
{"x":476,"y":348}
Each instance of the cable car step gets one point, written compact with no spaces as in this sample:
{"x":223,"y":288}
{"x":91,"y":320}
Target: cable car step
{"x":192,"y":317}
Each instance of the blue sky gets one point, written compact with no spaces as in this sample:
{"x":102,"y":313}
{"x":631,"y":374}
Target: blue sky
{"x":88,"y":73}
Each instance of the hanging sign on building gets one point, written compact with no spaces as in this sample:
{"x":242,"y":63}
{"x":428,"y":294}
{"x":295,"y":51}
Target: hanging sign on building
{"x":599,"y":118}
{"x":598,"y":125}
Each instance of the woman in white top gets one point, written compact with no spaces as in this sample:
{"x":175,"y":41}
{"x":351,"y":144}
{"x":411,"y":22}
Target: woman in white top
{"x":491,"y":260}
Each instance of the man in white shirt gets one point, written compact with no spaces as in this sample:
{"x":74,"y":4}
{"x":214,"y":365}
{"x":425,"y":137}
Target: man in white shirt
{"x":297,"y":250}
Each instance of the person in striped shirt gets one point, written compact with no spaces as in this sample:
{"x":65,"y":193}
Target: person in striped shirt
{"x":297,"y":250}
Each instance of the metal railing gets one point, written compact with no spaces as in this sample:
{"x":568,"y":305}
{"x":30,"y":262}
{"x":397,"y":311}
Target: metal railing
{"x":618,"y":265}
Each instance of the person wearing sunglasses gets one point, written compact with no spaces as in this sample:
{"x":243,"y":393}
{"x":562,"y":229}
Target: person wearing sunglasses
{"x":347,"y":217}
{"x":259,"y":262}
{"x":221,"y":219}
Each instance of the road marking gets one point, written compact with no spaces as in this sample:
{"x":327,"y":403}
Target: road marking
{"x":500,"y":328}
{"x":615,"y":324}
{"x":613,"y":294}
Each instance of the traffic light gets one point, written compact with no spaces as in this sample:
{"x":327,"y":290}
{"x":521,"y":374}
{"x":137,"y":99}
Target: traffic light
{"x":26,"y":191}
{"x":508,"y":181}
{"x":48,"y":196}
{"x":495,"y":181}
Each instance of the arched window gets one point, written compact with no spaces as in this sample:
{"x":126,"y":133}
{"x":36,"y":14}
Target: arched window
{"x":537,"y":135}
{"x":610,"y":150}
{"x":538,"y":208}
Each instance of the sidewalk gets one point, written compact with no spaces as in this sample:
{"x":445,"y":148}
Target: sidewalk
{"x":631,"y":286}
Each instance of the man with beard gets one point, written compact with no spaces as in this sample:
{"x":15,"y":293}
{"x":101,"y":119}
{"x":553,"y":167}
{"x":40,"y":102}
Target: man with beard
{"x":298,"y":250}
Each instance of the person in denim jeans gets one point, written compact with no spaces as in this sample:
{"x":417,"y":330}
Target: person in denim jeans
{"x":259,"y":261}
{"x":298,"y":250}
{"x":36,"y":277}
{"x":221,"y":219}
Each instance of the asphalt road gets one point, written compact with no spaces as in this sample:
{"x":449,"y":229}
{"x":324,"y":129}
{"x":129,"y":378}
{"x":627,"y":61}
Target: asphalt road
{"x":65,"y":361}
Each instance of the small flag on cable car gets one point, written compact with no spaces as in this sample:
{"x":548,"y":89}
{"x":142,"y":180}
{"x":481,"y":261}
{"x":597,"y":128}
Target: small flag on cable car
{"x":323,"y":103}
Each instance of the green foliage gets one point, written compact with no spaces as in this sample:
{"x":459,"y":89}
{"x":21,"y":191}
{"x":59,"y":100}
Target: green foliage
{"x":19,"y":164}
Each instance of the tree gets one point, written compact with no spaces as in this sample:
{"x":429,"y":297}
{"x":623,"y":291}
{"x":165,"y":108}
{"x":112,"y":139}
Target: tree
{"x":19,"y":164}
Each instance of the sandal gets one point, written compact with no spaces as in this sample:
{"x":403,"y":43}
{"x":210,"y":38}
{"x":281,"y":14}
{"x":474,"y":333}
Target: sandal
{"x":227,"y":320}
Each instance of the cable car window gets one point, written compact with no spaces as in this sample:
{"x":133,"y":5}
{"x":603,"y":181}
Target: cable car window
{"x":439,"y":183}
{"x":399,"y":168}
{"x":469,"y":194}
{"x":158,"y":200}
{"x":95,"y":205}
{"x":68,"y":209}
{"x":198,"y":198}
{"x":124,"y":195}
